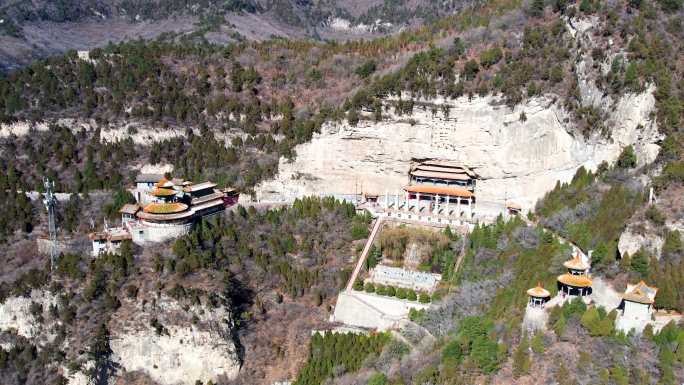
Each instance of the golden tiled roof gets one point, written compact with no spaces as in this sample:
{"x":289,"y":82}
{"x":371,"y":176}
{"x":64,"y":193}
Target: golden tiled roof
{"x":538,"y":292}
{"x":576,"y":263}
{"x":163,"y":192}
{"x":163,"y":182}
{"x":575,"y":280}
{"x":165,"y":208}
{"x":641,"y":293}
{"x":451,"y":191}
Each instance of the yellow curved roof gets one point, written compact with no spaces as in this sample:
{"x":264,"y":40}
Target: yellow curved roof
{"x":452,"y":191}
{"x":576,"y":263}
{"x":163,"y":182}
{"x":163,"y":192}
{"x":165,"y":208}
{"x":538,"y":291}
{"x":575,"y":280}
{"x":641,"y":293}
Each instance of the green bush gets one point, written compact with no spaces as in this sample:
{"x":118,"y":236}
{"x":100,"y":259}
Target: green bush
{"x":359,"y":231}
{"x":490,"y":57}
{"x":411,"y":295}
{"x":423,"y":297}
{"x":391,"y":291}
{"x":369,"y":288}
{"x":365,"y":69}
{"x":452,"y":354}
{"x":401,"y":293}
{"x":627,"y":158}
{"x":378,"y":379}
{"x":358,"y":285}
{"x":655,"y":216}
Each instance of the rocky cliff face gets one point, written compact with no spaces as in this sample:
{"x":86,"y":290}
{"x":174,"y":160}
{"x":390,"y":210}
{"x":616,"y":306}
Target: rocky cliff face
{"x":519,"y":153}
{"x":517,"y":159}
{"x":182,"y":345}
{"x":173,"y":344}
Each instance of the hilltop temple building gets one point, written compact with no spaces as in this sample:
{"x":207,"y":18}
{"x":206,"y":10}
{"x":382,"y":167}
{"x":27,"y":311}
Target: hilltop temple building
{"x":576,"y":282}
{"x":164,"y":210}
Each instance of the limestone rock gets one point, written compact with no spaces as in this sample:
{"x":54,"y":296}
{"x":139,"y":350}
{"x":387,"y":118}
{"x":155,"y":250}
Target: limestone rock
{"x":516,"y":159}
{"x":195,"y":344}
{"x":16,"y":315}
{"x":640,"y":235}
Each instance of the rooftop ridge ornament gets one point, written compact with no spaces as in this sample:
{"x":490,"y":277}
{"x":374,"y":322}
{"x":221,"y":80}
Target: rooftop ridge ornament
{"x":50,"y":201}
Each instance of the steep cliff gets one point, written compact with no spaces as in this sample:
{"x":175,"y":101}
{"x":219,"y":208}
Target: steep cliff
{"x":173,"y":344}
{"x":170,"y":343}
{"x":518,"y":153}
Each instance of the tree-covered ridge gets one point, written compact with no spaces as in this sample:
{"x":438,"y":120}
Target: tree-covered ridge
{"x":22,"y":12}
{"x":338,"y":353}
{"x":297,"y":248}
{"x":479,"y":331}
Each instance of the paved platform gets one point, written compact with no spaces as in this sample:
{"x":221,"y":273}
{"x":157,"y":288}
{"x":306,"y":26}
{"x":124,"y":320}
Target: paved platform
{"x":361,"y":309}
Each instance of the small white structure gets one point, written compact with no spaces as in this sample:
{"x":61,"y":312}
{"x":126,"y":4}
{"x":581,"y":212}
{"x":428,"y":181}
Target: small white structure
{"x":637,"y":307}
{"x":145,"y":183}
{"x":407,"y":279}
{"x":109,"y":240}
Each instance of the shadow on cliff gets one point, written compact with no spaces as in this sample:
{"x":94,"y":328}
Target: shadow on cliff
{"x":240,"y":299}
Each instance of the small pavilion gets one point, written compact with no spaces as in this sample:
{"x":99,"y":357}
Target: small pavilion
{"x":577,"y":280}
{"x":538,"y":296}
{"x":638,"y":301}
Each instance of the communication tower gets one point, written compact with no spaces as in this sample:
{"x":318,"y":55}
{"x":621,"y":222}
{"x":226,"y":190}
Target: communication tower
{"x":50,"y":202}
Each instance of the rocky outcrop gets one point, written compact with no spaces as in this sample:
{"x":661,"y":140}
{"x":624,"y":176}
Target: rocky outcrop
{"x":640,"y":235}
{"x":141,"y":134}
{"x":175,"y":345}
{"x":29,"y":316}
{"x":517,"y":159}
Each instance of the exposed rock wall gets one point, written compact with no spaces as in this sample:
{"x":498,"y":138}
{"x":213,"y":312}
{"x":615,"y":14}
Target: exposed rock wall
{"x":640,"y":235}
{"x":16,"y":315}
{"x":516,"y":159}
{"x":195,"y":343}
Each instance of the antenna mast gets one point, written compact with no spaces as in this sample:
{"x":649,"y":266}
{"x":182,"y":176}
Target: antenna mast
{"x":50,"y":201}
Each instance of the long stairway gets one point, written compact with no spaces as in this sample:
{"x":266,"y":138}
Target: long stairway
{"x":364,"y":254}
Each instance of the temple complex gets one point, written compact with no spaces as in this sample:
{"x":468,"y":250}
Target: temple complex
{"x":538,"y":296}
{"x":577,"y":280}
{"x":636,"y":308}
{"x":165,"y":209}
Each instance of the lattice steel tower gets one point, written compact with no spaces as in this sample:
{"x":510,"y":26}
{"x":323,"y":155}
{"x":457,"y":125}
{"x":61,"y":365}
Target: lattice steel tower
{"x":50,"y":201}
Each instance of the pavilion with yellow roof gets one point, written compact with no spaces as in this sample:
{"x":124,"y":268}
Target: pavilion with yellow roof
{"x":538,"y":296}
{"x":577,"y":280}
